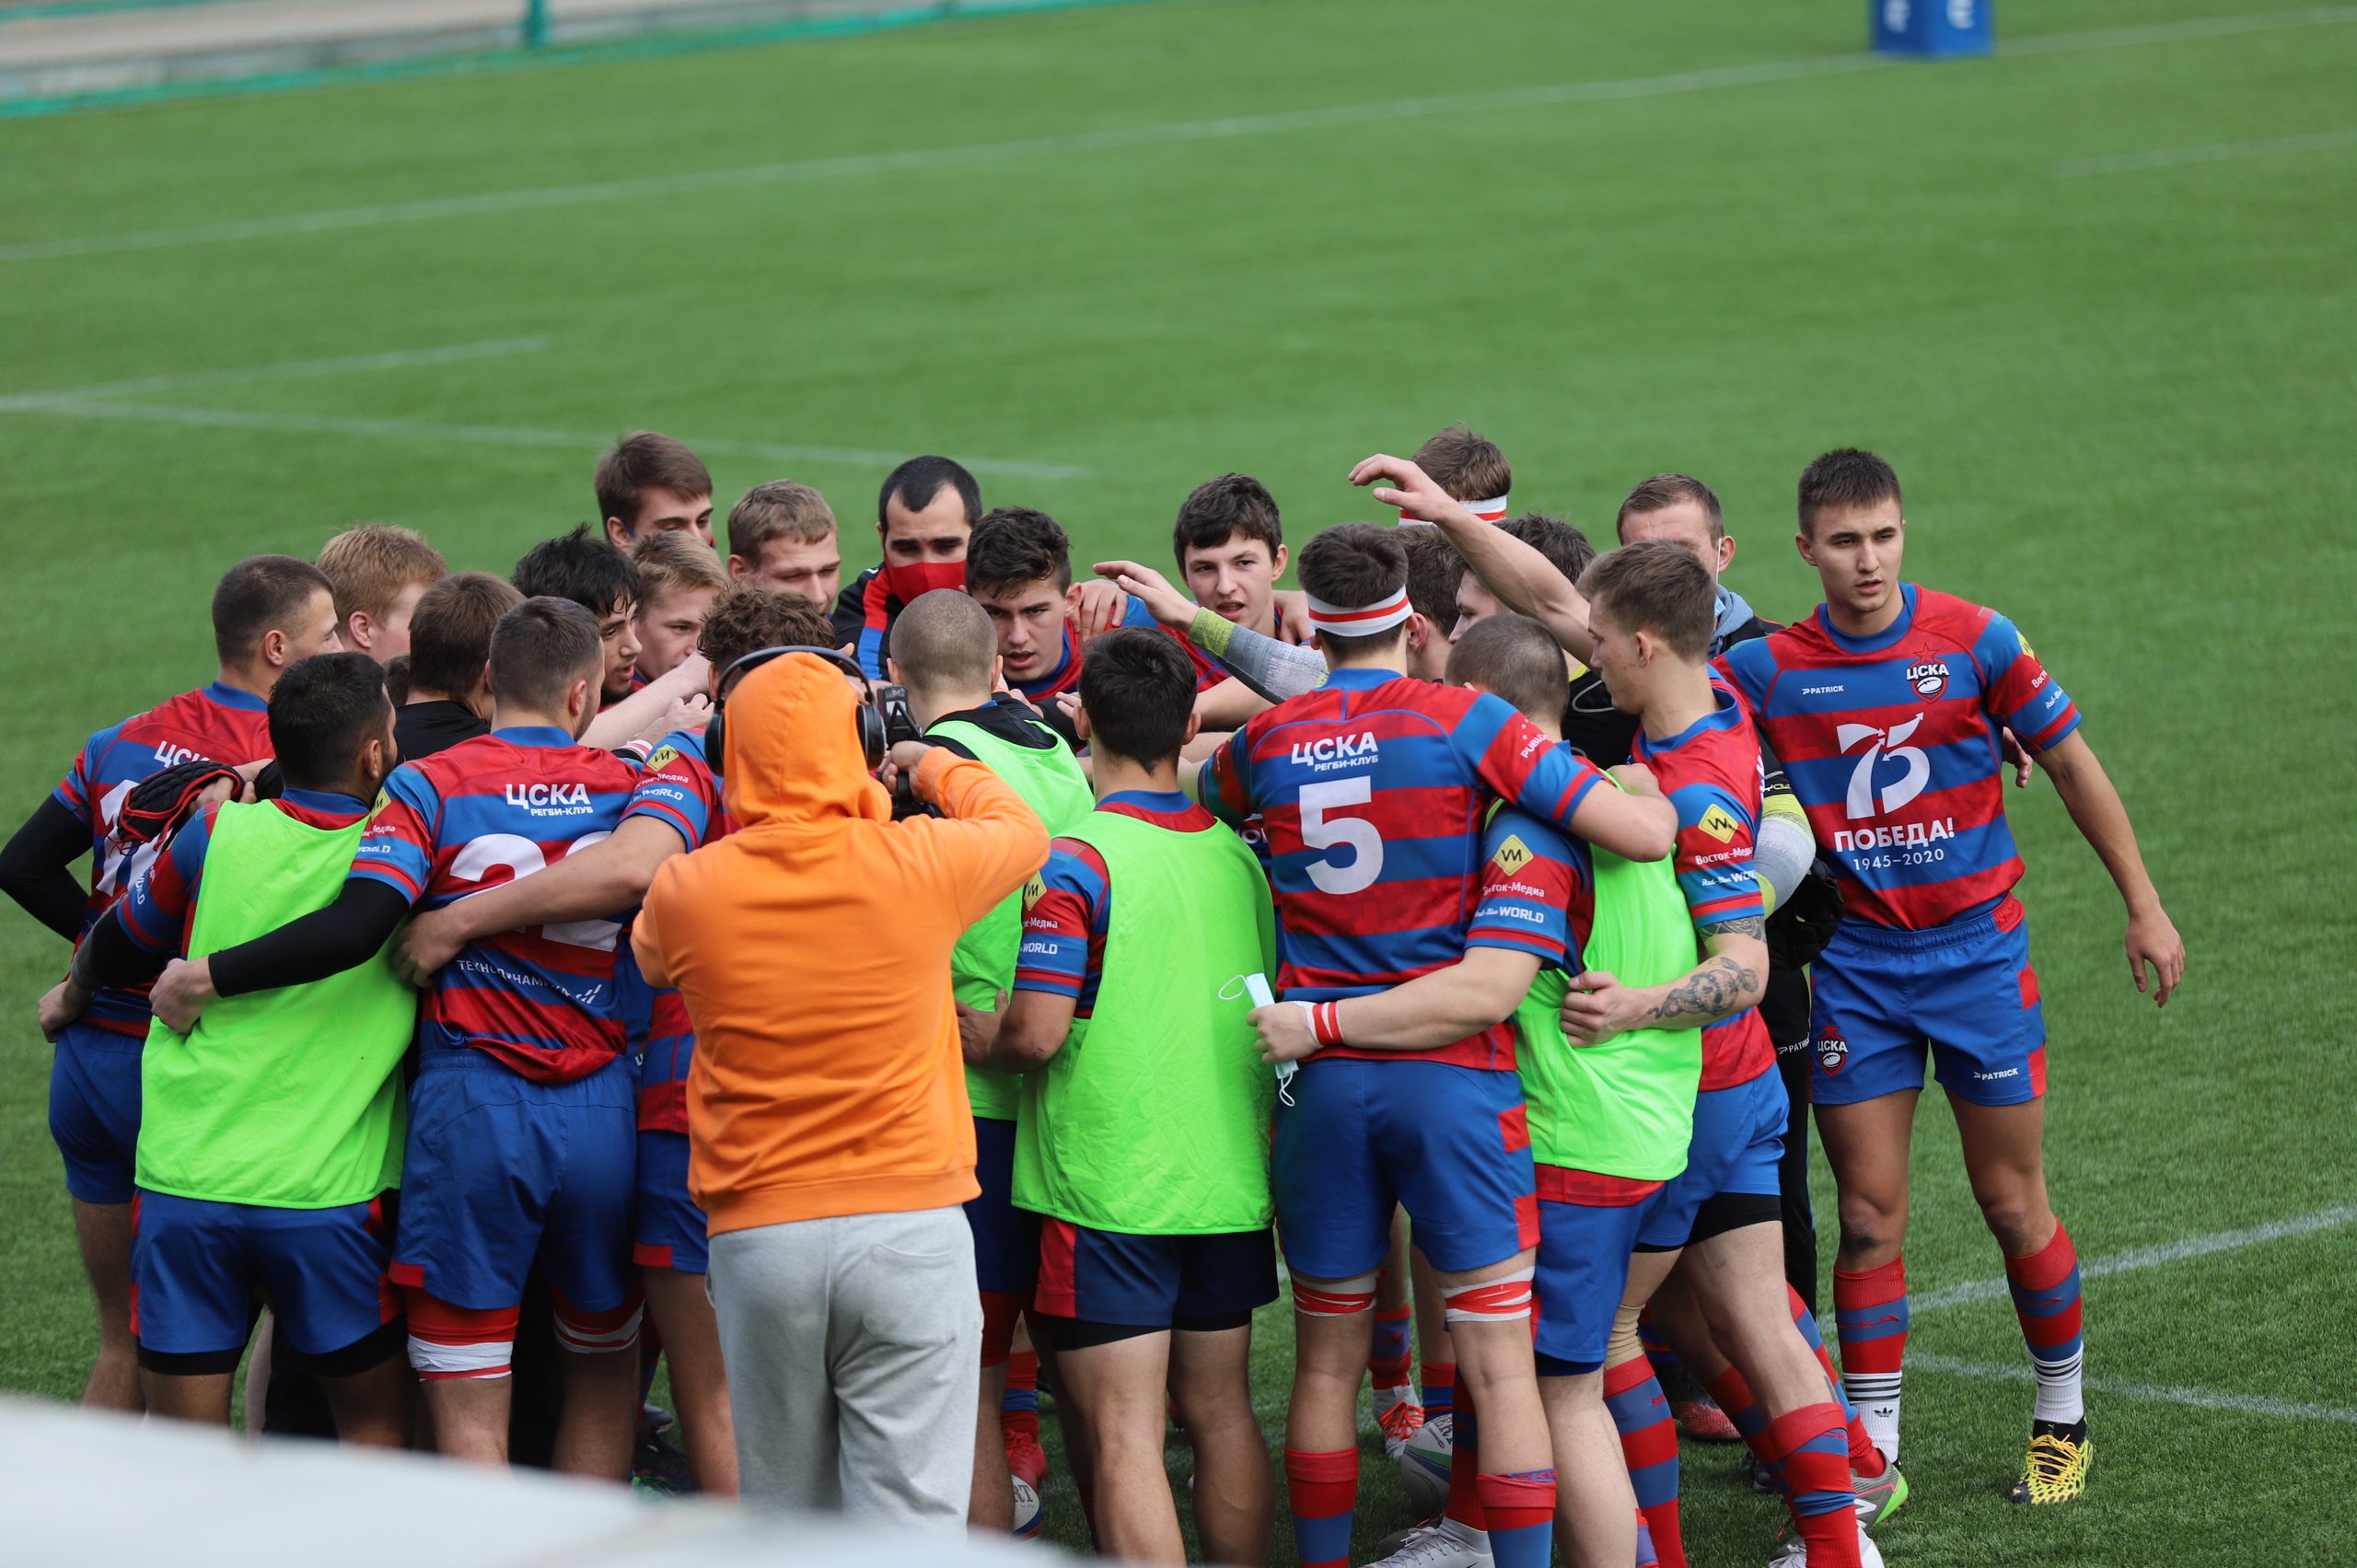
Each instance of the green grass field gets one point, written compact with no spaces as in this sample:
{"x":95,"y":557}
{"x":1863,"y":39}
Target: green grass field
{"x":2120,"y":392}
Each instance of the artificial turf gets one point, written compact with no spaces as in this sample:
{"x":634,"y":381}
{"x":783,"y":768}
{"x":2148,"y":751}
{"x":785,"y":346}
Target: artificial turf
{"x":2120,"y":399}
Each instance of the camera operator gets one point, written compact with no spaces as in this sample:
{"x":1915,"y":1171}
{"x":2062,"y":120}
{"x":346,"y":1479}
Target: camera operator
{"x":829,"y":1138}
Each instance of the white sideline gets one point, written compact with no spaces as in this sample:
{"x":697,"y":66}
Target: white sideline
{"x":1122,"y":136}
{"x":294,"y":370}
{"x":490,"y":435}
{"x":2146,"y":1258}
{"x":2207,"y":1398}
{"x":2170,"y":157}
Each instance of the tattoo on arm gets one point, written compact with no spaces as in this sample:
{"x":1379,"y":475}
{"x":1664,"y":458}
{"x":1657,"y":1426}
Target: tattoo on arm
{"x":1748,"y":925}
{"x":1710,"y":991}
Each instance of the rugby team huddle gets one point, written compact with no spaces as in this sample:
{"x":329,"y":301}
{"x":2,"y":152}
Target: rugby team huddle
{"x":1477,"y":925}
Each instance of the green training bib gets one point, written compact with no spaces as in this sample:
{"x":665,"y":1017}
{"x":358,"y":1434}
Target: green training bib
{"x":982,"y":964}
{"x":289,"y":1099}
{"x":1153,"y":1118}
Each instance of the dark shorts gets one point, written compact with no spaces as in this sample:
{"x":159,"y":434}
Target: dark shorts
{"x":1964,"y":993}
{"x":1583,"y":1273}
{"x":671,"y":1232}
{"x":94,"y":1111}
{"x":197,"y":1267}
{"x":1006,"y":1239}
{"x":1100,"y":1286}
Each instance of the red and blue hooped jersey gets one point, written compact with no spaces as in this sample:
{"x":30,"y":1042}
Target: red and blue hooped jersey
{"x":1538,"y":891}
{"x":1711,"y":773}
{"x":485,"y":812}
{"x":681,"y":791}
{"x":1890,"y":743}
{"x":1065,"y":677}
{"x":1373,"y":790}
{"x":218,"y":723}
{"x":1065,"y":920}
{"x":156,"y":911}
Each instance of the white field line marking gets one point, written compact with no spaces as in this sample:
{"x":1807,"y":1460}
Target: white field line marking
{"x":398,"y":359}
{"x":2170,"y":157}
{"x":657,"y":186}
{"x":2206,"y":1399}
{"x":2149,"y":1256}
{"x":490,"y":435}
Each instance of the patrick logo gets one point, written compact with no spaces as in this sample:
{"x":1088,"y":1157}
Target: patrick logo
{"x":1928,"y":677}
{"x":1832,"y":1050}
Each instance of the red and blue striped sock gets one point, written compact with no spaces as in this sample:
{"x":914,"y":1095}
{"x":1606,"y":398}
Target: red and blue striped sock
{"x":1734,"y":1395}
{"x":1464,"y":1505}
{"x":1657,"y":1349}
{"x":1646,"y":1556}
{"x":1521,"y":1510}
{"x":1649,"y":1443}
{"x":1323,"y":1489}
{"x":2046,"y":1300}
{"x":1870,"y":1316}
{"x":1439,"y":1387}
{"x":1865,"y":1458}
{"x":1816,"y":1456}
{"x":1386,"y":1362}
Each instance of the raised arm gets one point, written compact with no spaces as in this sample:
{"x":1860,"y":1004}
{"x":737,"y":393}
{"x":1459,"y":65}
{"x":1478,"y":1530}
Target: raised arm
{"x":989,"y":842}
{"x":651,"y":713}
{"x":2102,"y":818}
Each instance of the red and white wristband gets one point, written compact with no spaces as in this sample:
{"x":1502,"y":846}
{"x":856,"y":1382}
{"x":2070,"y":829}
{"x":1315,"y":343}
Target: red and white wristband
{"x":1325,"y":1021}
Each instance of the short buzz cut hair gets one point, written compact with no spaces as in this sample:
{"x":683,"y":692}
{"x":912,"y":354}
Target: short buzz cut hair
{"x":1352,"y":565}
{"x":671,"y":562}
{"x":1846,"y":477}
{"x":1516,"y":660}
{"x":539,"y":648}
{"x":1219,"y":509}
{"x":1466,"y":464}
{"x":1658,"y":586}
{"x":642,"y":461}
{"x":449,"y":635}
{"x":1564,"y":546}
{"x":260,"y":595}
{"x":581,"y":566}
{"x":370,"y":566}
{"x":916,"y":485}
{"x":783,"y":508}
{"x":1137,"y":688}
{"x":321,"y":711}
{"x":1013,"y":545}
{"x":1434,"y":568}
{"x":1667,"y":490}
{"x":942,"y":639}
{"x":748,"y":617}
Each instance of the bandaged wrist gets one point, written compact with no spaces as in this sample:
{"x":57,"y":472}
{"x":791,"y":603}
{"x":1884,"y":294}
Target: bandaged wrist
{"x":1325,"y":1021}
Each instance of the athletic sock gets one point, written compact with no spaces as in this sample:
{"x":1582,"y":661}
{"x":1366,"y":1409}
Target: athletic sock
{"x":1657,"y":1349}
{"x":2045,"y":1298}
{"x":1816,"y":1463}
{"x":1521,"y":1509}
{"x":1649,"y":1444}
{"x":1646,"y":1556}
{"x":1870,"y":1314}
{"x":1386,"y":1363}
{"x":1734,"y":1396}
{"x":1464,"y":1508}
{"x":1018,"y":1408}
{"x":1438,"y":1387}
{"x":1323,"y":1487}
{"x":1865,"y":1458}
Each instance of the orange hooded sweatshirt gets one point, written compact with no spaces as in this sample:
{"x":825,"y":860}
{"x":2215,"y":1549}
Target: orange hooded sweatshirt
{"x":812,"y":947}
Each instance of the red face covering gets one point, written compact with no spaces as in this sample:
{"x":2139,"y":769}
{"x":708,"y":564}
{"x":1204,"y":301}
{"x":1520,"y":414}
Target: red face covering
{"x":905,"y":583}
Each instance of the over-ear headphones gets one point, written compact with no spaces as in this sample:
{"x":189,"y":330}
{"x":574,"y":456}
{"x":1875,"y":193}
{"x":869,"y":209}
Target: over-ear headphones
{"x":868,"y":725}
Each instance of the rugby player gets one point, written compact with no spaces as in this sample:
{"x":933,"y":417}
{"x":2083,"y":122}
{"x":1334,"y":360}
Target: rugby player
{"x":449,"y":663}
{"x":925,"y":514}
{"x":781,"y":535}
{"x":1375,"y":781}
{"x":1143,"y":1137}
{"x":1470,"y":470}
{"x":522,"y":1125}
{"x":678,"y":582}
{"x":1230,"y":543}
{"x":379,"y":573}
{"x":677,"y":806}
{"x":1885,"y":708}
{"x":267,"y":1165}
{"x":1018,"y":568}
{"x":945,"y":652}
{"x":600,"y":578}
{"x":269,"y":613}
{"x":649,"y":483}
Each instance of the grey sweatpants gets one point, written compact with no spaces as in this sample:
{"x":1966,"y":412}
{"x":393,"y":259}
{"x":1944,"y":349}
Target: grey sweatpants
{"x":854,"y":1348}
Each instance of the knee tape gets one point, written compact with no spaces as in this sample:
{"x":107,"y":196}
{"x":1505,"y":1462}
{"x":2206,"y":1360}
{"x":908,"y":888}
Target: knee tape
{"x":1338,"y":1299}
{"x":447,"y":1342}
{"x":594,"y":1333}
{"x":1500,"y":1300}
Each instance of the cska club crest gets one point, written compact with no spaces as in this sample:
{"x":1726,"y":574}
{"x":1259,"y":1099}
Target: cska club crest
{"x":1832,"y":1050}
{"x":1928,"y":677}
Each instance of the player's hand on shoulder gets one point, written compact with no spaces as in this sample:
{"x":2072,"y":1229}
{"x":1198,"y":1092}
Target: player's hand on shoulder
{"x":1635,"y":778}
{"x":431,"y":941}
{"x":1284,"y":1032}
{"x":1102,"y":606}
{"x":180,"y":993}
{"x":2153,"y":939}
{"x":1596,"y":1008}
{"x":63,"y":1003}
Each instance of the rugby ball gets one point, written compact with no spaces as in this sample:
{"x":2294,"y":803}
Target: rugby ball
{"x":1423,"y":1465}
{"x":1028,"y":1515}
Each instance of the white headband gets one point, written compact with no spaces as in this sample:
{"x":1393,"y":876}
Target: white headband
{"x":1488,"y":511}
{"x":1367,"y":622}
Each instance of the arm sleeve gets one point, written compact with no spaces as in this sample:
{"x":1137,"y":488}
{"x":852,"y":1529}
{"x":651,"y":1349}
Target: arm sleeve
{"x":1274,"y":670}
{"x":1781,"y":857}
{"x":345,"y":935}
{"x":1060,"y":921}
{"x":109,"y":957}
{"x":992,"y":842}
{"x":33,"y":868}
